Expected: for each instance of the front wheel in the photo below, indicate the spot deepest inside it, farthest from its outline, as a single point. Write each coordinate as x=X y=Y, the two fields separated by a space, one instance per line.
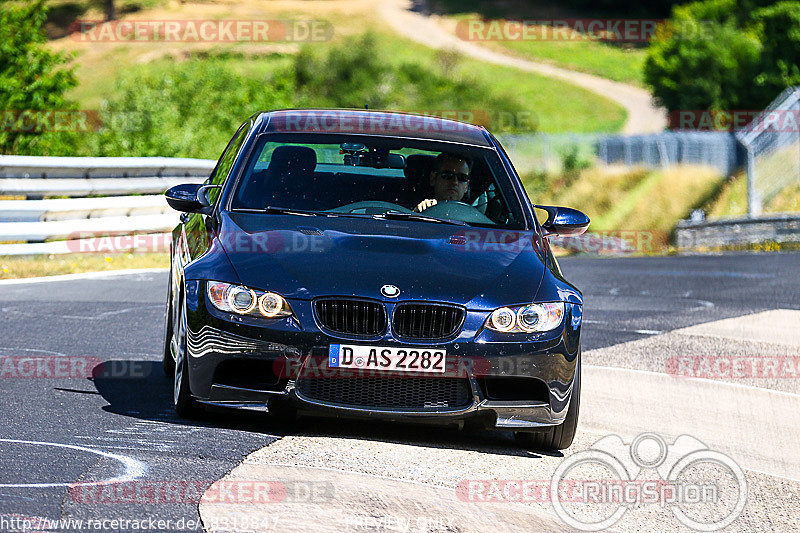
x=168 y=362
x=558 y=437
x=185 y=405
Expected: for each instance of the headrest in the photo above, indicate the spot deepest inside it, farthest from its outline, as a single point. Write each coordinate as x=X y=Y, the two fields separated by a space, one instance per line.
x=418 y=167
x=293 y=160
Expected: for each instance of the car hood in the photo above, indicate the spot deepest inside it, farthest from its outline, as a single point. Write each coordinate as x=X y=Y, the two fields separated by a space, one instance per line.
x=309 y=256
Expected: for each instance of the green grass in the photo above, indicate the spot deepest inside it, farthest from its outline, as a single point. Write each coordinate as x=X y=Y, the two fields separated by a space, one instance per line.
x=616 y=61
x=732 y=200
x=557 y=106
x=629 y=201
x=12 y=267
x=593 y=57
x=670 y=197
x=788 y=200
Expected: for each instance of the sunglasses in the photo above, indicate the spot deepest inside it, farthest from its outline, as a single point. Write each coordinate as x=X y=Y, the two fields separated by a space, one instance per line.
x=450 y=175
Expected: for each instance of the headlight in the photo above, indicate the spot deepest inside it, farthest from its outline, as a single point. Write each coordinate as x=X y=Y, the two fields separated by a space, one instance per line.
x=245 y=301
x=529 y=318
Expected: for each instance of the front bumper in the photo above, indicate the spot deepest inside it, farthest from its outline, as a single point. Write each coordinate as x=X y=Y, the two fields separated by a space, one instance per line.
x=544 y=363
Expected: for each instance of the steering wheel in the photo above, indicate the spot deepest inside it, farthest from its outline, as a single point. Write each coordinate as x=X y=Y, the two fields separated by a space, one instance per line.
x=457 y=210
x=370 y=207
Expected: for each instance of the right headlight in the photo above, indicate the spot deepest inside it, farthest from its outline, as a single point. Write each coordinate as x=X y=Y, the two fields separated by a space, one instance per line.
x=529 y=318
x=245 y=301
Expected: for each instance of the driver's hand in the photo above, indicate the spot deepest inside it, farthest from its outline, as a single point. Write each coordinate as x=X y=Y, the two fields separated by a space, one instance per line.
x=425 y=204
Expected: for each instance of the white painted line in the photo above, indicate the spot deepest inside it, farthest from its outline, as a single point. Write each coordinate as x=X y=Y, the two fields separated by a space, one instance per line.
x=82 y=275
x=134 y=469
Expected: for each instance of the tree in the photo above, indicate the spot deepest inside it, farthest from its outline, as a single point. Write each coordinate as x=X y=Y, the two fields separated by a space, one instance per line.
x=725 y=54
x=702 y=65
x=778 y=27
x=111 y=11
x=31 y=83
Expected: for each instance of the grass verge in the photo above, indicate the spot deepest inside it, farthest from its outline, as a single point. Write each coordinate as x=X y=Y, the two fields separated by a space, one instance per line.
x=580 y=53
x=15 y=267
x=645 y=204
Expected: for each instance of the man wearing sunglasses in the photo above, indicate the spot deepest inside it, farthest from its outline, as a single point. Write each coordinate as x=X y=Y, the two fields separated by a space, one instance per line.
x=449 y=180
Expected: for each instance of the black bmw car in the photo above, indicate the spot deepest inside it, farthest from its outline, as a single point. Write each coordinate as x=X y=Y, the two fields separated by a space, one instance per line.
x=354 y=263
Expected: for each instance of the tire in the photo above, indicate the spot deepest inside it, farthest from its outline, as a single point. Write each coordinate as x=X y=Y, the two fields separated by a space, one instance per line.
x=558 y=437
x=185 y=405
x=168 y=361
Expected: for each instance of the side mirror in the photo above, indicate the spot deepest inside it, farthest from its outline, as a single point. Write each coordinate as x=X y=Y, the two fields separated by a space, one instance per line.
x=190 y=197
x=564 y=220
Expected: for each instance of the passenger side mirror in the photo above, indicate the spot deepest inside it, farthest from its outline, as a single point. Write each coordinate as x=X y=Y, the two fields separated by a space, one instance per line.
x=564 y=220
x=189 y=198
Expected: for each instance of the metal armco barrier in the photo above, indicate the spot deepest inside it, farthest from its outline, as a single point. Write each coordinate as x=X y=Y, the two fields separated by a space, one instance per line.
x=116 y=213
x=24 y=166
x=778 y=228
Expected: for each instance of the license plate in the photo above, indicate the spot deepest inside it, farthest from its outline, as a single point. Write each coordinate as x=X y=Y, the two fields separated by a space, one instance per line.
x=388 y=359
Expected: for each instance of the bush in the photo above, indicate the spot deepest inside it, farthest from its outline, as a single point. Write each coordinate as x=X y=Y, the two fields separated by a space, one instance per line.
x=193 y=107
x=778 y=27
x=355 y=75
x=190 y=111
x=31 y=81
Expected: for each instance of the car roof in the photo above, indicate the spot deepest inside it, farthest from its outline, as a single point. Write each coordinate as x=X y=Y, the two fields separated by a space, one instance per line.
x=376 y=123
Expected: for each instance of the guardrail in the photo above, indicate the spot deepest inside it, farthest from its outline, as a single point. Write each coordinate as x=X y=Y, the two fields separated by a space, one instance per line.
x=712 y=234
x=118 y=221
x=69 y=208
x=89 y=186
x=24 y=166
x=116 y=213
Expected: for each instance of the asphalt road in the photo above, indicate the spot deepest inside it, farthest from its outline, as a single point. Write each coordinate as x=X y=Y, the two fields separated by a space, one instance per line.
x=126 y=414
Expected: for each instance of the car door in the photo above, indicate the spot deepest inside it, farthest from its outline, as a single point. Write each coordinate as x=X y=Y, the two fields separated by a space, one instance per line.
x=196 y=225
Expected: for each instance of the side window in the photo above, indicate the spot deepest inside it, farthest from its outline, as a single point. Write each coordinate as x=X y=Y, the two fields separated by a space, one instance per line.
x=226 y=161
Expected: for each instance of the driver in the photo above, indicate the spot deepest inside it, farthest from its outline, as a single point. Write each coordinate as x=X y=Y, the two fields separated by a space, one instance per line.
x=449 y=180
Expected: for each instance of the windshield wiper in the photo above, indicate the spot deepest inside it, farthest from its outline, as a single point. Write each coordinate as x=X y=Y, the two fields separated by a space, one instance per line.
x=270 y=210
x=420 y=218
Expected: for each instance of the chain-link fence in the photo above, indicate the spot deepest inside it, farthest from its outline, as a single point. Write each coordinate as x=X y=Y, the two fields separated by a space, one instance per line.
x=553 y=152
x=772 y=143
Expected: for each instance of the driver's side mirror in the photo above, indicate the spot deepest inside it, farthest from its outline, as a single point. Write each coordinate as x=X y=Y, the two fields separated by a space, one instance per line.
x=564 y=220
x=190 y=198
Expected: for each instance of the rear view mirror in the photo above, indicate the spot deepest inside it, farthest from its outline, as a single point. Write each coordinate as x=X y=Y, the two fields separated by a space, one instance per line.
x=395 y=161
x=564 y=220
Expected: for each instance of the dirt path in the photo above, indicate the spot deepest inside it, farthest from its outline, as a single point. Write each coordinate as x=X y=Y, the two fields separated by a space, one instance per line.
x=643 y=115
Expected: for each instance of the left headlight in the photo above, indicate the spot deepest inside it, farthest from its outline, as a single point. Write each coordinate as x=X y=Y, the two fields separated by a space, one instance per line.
x=245 y=301
x=529 y=318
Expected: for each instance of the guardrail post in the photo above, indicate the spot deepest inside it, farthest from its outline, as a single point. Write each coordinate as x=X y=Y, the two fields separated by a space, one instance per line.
x=753 y=198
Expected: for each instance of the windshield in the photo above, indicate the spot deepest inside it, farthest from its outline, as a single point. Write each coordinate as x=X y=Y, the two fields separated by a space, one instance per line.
x=378 y=177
